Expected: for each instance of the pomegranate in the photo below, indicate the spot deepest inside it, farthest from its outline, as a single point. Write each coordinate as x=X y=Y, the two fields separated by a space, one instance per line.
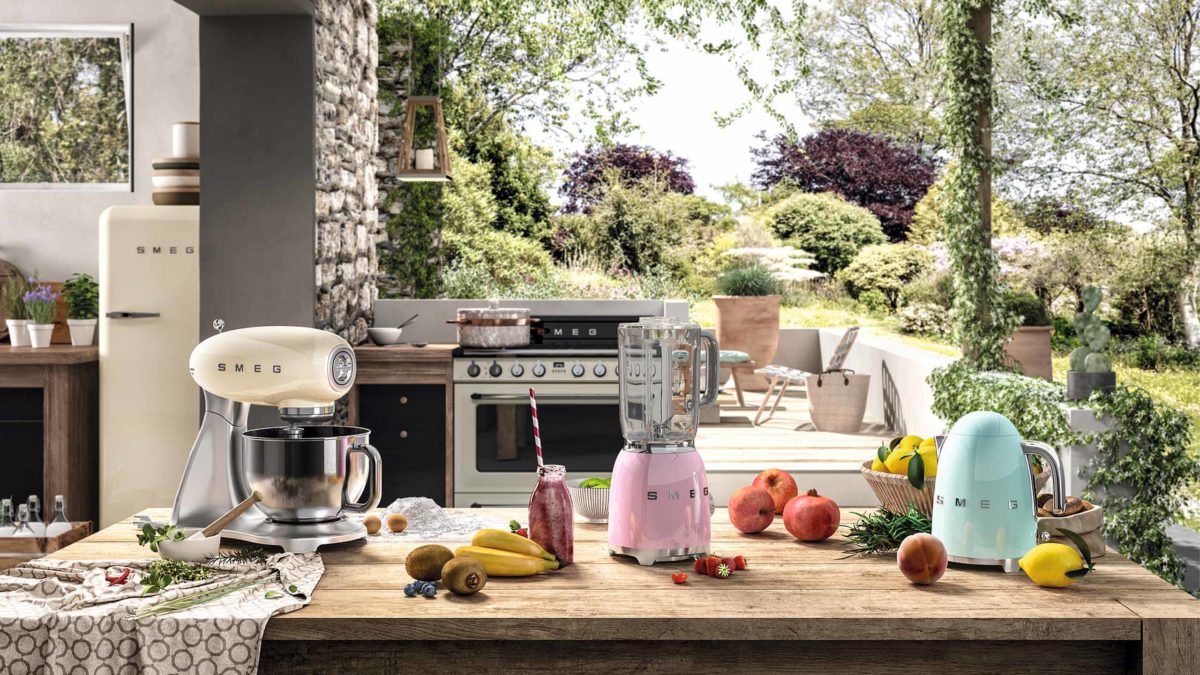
x=811 y=517
x=922 y=558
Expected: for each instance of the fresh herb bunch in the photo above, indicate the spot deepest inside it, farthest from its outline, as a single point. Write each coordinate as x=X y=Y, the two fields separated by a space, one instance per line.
x=40 y=302
x=12 y=295
x=163 y=573
x=189 y=601
x=151 y=535
x=882 y=531
x=246 y=556
x=82 y=294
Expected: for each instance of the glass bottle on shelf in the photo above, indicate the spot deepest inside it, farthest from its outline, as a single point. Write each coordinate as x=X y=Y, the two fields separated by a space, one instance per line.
x=23 y=529
x=60 y=524
x=7 y=526
x=35 y=516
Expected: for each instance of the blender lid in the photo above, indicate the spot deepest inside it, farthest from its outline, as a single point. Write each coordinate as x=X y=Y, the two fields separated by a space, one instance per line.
x=984 y=423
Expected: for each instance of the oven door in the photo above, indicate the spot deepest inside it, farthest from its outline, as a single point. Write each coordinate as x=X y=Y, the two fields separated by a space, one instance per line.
x=494 y=457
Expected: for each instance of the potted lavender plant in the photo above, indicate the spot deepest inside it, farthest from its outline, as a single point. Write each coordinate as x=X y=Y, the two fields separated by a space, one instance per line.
x=40 y=304
x=13 y=297
x=82 y=295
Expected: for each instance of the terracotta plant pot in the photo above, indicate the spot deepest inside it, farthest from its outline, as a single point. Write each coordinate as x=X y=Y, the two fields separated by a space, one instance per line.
x=749 y=324
x=1030 y=347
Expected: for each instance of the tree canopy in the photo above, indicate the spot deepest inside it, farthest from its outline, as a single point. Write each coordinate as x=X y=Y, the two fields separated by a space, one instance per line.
x=591 y=170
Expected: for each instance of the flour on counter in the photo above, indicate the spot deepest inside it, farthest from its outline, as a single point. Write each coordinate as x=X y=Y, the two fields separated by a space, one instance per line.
x=429 y=522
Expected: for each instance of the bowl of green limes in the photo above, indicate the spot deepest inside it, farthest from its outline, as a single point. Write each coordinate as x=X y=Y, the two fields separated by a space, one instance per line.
x=590 y=497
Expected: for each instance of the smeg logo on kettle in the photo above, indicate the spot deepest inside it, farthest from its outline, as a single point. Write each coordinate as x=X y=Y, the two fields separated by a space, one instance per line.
x=985 y=504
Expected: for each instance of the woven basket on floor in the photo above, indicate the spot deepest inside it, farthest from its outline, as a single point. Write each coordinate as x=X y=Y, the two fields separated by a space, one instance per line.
x=837 y=401
x=895 y=492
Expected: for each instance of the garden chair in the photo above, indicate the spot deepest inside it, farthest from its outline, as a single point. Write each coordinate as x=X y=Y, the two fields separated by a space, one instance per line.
x=785 y=377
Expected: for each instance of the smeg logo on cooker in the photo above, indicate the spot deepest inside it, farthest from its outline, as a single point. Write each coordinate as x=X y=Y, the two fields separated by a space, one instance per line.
x=166 y=250
x=223 y=367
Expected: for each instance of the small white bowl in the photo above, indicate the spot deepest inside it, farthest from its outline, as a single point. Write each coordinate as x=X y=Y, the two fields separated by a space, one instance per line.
x=175 y=181
x=190 y=550
x=385 y=336
x=590 y=503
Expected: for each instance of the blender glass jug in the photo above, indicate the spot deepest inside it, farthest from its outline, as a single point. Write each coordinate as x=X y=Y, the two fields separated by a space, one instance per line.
x=661 y=393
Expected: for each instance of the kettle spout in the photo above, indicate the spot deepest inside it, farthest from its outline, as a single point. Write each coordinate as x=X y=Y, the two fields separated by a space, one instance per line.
x=1056 y=471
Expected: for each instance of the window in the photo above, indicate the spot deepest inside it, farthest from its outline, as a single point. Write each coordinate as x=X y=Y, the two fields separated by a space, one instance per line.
x=66 y=106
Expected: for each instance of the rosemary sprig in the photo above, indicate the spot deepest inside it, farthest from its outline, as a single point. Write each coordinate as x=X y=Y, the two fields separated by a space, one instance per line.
x=244 y=556
x=164 y=572
x=195 y=599
x=882 y=531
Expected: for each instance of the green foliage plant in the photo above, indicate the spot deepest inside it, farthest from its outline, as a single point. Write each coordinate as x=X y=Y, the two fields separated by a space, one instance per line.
x=830 y=228
x=1143 y=465
x=12 y=295
x=886 y=268
x=82 y=294
x=874 y=300
x=746 y=280
x=1027 y=308
x=923 y=318
x=1090 y=357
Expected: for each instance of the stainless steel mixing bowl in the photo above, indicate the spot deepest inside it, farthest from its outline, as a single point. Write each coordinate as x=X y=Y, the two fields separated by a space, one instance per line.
x=310 y=474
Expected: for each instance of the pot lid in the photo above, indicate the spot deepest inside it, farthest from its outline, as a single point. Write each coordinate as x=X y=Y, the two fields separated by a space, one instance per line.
x=493 y=311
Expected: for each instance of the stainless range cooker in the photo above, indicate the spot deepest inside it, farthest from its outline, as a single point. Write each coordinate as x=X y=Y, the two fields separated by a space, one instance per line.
x=571 y=362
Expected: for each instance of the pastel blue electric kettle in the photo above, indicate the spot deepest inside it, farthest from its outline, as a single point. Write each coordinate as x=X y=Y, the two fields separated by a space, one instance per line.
x=984 y=510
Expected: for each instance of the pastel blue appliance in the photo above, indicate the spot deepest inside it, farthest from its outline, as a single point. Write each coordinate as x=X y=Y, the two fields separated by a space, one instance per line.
x=983 y=503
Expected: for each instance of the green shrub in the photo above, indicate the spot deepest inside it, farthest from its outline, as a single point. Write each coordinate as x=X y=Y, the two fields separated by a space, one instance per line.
x=507 y=260
x=874 y=300
x=823 y=224
x=1152 y=352
x=1064 y=338
x=1031 y=310
x=1143 y=291
x=747 y=280
x=923 y=318
x=886 y=268
x=932 y=288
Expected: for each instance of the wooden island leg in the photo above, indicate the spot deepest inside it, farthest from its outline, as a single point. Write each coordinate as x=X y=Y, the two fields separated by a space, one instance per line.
x=70 y=435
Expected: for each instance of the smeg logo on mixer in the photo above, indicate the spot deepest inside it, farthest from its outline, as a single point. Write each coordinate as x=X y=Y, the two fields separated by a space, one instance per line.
x=244 y=368
x=673 y=495
x=168 y=250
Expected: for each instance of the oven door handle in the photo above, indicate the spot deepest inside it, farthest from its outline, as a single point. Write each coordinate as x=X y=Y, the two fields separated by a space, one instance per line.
x=545 y=397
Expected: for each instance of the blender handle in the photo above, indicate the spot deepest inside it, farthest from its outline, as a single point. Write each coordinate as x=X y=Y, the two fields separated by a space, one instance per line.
x=374 y=479
x=1056 y=471
x=714 y=367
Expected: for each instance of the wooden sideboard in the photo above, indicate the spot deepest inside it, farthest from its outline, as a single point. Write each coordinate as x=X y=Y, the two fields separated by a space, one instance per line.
x=68 y=377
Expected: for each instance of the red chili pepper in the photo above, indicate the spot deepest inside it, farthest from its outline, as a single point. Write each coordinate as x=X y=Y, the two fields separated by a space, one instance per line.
x=679 y=577
x=119 y=579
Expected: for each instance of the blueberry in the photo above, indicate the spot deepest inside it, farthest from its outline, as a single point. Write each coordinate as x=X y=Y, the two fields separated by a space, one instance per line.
x=430 y=591
x=409 y=591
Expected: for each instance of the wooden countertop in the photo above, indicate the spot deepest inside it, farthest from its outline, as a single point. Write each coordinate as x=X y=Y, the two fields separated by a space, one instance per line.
x=792 y=591
x=369 y=353
x=54 y=355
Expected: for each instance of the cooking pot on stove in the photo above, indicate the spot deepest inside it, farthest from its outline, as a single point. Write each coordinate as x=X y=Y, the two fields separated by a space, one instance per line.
x=493 y=327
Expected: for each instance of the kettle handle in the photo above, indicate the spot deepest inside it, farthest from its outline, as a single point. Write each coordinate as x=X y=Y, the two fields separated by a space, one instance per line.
x=374 y=479
x=1056 y=471
x=713 y=358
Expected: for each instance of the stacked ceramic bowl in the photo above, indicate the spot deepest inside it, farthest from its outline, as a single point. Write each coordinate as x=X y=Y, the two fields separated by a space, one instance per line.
x=177 y=178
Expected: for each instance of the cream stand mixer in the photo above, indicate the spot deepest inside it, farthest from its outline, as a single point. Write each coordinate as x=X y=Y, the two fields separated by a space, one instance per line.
x=308 y=474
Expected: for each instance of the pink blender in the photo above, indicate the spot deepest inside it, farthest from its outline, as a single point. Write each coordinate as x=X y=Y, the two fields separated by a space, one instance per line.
x=659 y=509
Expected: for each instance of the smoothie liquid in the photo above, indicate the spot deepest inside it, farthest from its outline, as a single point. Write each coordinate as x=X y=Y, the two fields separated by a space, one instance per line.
x=551 y=513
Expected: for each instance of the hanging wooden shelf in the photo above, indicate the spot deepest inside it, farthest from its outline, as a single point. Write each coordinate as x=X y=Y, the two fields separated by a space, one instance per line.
x=407 y=168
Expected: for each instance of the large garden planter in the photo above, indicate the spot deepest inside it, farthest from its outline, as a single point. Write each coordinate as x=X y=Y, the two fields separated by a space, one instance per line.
x=749 y=324
x=1081 y=384
x=1030 y=348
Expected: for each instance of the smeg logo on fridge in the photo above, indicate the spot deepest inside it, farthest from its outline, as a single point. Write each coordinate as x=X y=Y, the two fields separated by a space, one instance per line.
x=223 y=367
x=166 y=250
x=673 y=495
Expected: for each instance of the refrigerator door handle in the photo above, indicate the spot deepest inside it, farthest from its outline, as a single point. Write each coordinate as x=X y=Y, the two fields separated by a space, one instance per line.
x=132 y=315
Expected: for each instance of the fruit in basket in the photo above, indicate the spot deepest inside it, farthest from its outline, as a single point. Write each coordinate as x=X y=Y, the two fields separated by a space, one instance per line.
x=780 y=484
x=881 y=455
x=922 y=558
x=464 y=576
x=897 y=460
x=510 y=541
x=751 y=509
x=425 y=563
x=499 y=563
x=811 y=517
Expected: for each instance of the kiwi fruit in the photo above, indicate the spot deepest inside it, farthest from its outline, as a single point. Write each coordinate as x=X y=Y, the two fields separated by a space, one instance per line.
x=464 y=575
x=424 y=563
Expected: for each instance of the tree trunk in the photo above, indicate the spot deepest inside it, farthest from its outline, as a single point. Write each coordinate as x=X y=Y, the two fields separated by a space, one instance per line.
x=981 y=24
x=1186 y=296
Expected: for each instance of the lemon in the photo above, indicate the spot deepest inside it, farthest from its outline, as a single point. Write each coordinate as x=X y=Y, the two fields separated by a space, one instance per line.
x=928 y=450
x=1047 y=564
x=897 y=462
x=877 y=465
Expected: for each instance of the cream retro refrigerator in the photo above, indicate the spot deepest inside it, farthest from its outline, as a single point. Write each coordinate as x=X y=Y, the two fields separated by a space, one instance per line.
x=149 y=323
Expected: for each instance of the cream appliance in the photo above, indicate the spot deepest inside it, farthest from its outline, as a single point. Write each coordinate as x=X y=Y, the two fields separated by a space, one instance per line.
x=149 y=319
x=983 y=503
x=308 y=475
x=659 y=507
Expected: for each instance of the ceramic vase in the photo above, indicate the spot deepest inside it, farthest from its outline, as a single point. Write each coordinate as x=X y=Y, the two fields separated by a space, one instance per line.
x=83 y=331
x=18 y=332
x=39 y=334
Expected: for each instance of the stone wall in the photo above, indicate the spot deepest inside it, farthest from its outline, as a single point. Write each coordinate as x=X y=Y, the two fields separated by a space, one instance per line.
x=347 y=220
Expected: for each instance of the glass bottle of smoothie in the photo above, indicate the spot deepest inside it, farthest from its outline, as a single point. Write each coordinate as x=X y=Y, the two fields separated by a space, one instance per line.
x=551 y=513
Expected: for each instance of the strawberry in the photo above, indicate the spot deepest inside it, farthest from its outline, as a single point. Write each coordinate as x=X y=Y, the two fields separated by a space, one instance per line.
x=739 y=562
x=679 y=577
x=710 y=565
x=698 y=566
x=723 y=571
x=523 y=532
x=728 y=562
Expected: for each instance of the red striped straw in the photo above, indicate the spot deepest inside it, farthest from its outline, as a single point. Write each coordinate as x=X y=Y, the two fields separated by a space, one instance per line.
x=537 y=434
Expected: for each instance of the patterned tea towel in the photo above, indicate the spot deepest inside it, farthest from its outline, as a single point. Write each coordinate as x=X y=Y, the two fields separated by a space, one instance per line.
x=65 y=616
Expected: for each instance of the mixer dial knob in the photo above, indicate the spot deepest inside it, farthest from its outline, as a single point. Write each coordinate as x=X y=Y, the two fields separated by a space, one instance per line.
x=473 y=369
x=539 y=370
x=577 y=370
x=517 y=370
x=495 y=370
x=600 y=370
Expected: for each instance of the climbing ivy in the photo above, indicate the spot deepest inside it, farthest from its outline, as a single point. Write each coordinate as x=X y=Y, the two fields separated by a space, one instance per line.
x=1142 y=465
x=981 y=324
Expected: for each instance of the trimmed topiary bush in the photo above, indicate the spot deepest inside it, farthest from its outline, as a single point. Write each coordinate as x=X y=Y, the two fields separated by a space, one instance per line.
x=1028 y=307
x=830 y=228
x=886 y=268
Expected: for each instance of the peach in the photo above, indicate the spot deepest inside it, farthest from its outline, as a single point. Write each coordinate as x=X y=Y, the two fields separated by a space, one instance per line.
x=922 y=558
x=780 y=484
x=751 y=509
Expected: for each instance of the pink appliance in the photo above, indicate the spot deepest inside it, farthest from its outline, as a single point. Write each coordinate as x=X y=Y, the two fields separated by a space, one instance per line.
x=659 y=507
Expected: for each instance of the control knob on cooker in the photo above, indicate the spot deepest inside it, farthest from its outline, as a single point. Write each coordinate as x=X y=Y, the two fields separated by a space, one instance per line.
x=599 y=370
x=539 y=370
x=473 y=369
x=495 y=370
x=517 y=370
x=577 y=370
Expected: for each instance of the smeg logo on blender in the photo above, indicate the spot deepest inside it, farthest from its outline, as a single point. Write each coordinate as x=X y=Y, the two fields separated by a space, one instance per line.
x=223 y=367
x=673 y=495
x=167 y=250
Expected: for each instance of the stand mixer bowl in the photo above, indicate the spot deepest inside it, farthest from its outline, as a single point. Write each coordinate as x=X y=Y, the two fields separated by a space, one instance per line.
x=311 y=474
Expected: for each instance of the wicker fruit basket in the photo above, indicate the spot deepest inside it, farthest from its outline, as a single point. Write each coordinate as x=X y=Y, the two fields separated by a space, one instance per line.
x=895 y=492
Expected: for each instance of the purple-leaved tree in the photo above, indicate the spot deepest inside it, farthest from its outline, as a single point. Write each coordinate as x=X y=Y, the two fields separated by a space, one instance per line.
x=584 y=179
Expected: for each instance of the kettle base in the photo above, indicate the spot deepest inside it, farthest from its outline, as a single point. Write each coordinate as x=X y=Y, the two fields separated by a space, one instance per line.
x=650 y=556
x=1010 y=565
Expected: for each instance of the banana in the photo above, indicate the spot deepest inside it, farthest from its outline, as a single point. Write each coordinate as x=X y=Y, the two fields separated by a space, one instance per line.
x=499 y=563
x=509 y=541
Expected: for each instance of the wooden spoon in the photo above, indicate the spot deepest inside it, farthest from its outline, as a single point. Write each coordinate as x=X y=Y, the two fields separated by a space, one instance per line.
x=219 y=524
